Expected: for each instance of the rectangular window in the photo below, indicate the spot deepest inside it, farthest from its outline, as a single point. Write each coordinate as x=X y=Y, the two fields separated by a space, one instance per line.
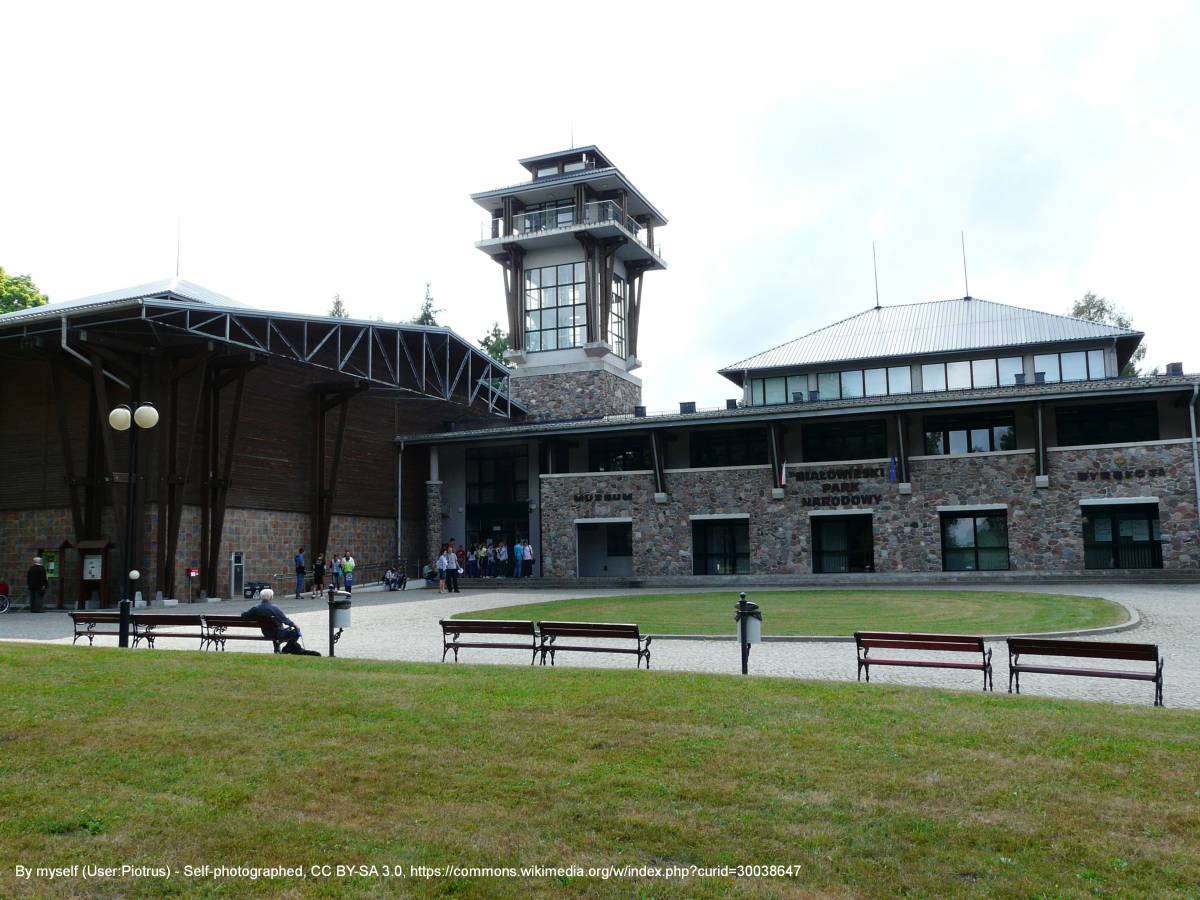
x=623 y=454
x=1047 y=364
x=842 y=544
x=829 y=386
x=876 y=382
x=546 y=171
x=721 y=547
x=974 y=433
x=1107 y=423
x=958 y=376
x=756 y=392
x=839 y=441
x=983 y=373
x=933 y=377
x=616 y=316
x=1122 y=537
x=576 y=166
x=852 y=384
x=797 y=386
x=1095 y=365
x=556 y=316
x=1074 y=366
x=776 y=389
x=1010 y=367
x=899 y=380
x=728 y=447
x=974 y=542
x=497 y=492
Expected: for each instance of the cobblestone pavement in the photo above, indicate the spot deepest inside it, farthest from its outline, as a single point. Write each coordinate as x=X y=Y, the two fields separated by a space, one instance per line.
x=404 y=626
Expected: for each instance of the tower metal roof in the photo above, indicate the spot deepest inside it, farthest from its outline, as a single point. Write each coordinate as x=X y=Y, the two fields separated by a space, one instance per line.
x=917 y=329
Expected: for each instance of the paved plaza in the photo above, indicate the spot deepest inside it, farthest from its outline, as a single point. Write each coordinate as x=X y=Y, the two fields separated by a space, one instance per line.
x=404 y=626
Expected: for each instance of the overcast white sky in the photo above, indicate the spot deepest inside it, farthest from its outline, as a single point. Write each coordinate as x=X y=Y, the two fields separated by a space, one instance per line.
x=321 y=149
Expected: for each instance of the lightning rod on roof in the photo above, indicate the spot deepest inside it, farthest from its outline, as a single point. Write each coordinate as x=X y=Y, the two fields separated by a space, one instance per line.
x=966 y=288
x=875 y=266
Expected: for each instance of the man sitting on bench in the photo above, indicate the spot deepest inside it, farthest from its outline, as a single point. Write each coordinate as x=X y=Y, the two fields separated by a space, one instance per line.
x=280 y=628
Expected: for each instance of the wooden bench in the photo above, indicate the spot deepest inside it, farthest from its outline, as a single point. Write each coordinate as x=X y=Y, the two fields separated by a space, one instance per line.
x=86 y=625
x=1018 y=647
x=866 y=641
x=453 y=628
x=552 y=631
x=146 y=627
x=217 y=630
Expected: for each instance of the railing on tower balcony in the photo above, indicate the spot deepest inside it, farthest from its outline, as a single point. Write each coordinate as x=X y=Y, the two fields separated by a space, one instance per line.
x=598 y=212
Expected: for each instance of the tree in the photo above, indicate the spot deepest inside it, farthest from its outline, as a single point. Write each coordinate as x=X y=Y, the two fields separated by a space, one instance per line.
x=1105 y=312
x=19 y=292
x=338 y=310
x=428 y=315
x=494 y=343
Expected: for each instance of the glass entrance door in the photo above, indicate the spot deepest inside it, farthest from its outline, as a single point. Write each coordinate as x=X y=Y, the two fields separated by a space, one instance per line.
x=843 y=544
x=1122 y=537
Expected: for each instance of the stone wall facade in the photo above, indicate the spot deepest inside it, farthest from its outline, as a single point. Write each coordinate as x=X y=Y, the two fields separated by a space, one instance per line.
x=269 y=539
x=1045 y=524
x=433 y=520
x=573 y=395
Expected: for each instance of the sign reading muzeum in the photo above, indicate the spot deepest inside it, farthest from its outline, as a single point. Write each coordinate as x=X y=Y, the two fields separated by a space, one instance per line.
x=957 y=435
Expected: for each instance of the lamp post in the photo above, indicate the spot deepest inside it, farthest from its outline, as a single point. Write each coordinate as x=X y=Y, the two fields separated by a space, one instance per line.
x=122 y=418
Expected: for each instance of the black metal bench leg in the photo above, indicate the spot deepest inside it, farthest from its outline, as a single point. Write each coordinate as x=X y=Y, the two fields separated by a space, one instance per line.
x=445 y=650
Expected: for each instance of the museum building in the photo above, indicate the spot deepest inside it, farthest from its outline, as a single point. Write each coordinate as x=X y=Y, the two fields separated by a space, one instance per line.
x=958 y=435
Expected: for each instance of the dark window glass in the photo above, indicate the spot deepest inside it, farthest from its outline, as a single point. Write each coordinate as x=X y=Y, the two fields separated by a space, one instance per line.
x=731 y=447
x=624 y=454
x=1122 y=537
x=975 y=433
x=721 y=547
x=620 y=539
x=842 y=544
x=1107 y=423
x=974 y=542
x=845 y=440
x=497 y=493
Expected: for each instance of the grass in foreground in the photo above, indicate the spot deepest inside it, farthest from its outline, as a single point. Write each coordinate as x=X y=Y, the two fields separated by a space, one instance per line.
x=833 y=612
x=178 y=758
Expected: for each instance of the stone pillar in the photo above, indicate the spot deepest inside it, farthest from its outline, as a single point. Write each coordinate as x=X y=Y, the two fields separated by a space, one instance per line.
x=433 y=520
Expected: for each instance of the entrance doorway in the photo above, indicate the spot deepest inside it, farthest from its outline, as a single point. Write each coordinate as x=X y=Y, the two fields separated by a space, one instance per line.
x=1122 y=536
x=605 y=549
x=842 y=544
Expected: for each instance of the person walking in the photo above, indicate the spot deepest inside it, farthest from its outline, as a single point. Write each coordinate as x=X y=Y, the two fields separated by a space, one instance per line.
x=348 y=565
x=299 y=561
x=441 y=567
x=335 y=573
x=37 y=582
x=481 y=560
x=451 y=569
x=318 y=575
x=502 y=560
x=528 y=558
x=519 y=556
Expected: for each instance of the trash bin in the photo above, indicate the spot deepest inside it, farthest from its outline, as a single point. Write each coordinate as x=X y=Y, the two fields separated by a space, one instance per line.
x=339 y=611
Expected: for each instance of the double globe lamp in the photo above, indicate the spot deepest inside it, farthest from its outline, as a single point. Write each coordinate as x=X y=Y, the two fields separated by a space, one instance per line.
x=122 y=418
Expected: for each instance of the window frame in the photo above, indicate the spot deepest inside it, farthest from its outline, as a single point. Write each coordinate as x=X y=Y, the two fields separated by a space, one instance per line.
x=728 y=554
x=974 y=516
x=747 y=441
x=945 y=425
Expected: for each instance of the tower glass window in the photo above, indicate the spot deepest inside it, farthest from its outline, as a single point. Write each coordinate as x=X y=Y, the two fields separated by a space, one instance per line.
x=555 y=307
x=616 y=317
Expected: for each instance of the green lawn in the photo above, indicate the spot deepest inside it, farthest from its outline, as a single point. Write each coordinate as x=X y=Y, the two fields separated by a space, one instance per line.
x=175 y=758
x=833 y=612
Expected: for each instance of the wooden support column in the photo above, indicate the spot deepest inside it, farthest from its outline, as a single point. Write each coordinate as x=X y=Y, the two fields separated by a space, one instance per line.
x=658 y=450
x=902 y=447
x=775 y=452
x=591 y=286
x=513 y=263
x=633 y=279
x=1041 y=439
x=324 y=485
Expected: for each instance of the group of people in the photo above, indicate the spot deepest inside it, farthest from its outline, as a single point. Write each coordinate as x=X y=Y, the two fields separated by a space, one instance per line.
x=485 y=560
x=37 y=582
x=340 y=571
x=395 y=579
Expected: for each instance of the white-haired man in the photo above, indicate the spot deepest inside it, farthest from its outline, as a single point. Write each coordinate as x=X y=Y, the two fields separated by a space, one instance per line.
x=276 y=625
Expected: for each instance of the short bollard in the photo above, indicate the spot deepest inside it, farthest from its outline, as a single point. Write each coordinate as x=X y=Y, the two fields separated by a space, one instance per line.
x=124 y=622
x=748 y=619
x=339 y=615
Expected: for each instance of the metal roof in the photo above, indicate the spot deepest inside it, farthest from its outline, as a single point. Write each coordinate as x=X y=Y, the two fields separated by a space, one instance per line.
x=915 y=329
x=168 y=289
x=559 y=154
x=537 y=184
x=819 y=408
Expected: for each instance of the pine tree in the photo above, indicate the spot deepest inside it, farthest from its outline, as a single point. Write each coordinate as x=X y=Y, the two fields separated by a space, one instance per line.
x=338 y=310
x=428 y=315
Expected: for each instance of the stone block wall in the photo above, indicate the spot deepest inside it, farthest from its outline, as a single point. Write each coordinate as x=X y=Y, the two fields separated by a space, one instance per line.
x=1045 y=524
x=573 y=395
x=269 y=538
x=433 y=520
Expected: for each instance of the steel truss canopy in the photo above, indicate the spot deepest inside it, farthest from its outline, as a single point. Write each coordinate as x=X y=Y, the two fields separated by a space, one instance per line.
x=425 y=362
